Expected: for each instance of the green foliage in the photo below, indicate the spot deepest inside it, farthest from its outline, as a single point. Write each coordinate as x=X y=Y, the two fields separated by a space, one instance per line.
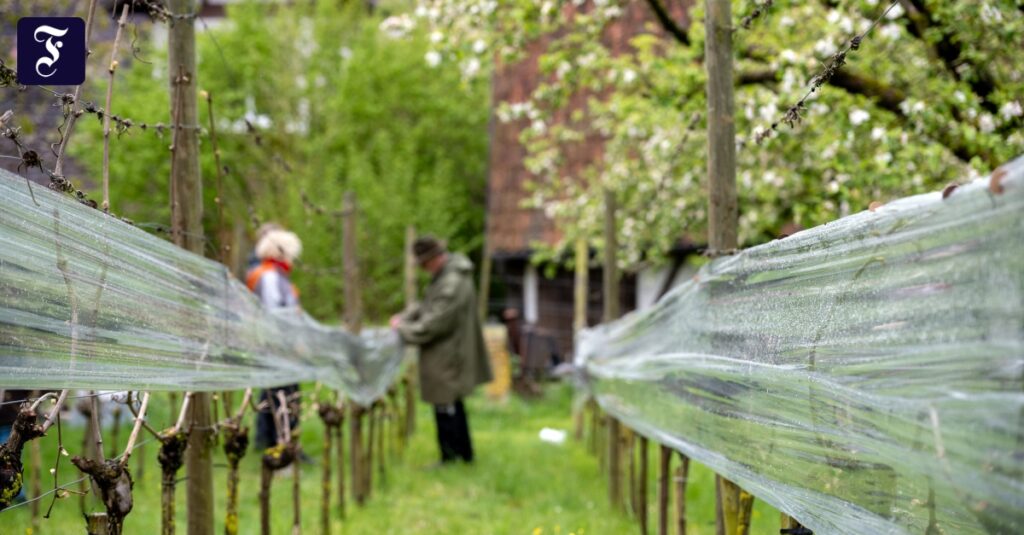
x=332 y=104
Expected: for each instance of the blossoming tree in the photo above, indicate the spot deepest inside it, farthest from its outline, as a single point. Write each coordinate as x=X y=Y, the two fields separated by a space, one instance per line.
x=930 y=94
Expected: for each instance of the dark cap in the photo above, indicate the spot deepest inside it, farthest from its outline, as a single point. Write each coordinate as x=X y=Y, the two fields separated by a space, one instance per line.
x=427 y=247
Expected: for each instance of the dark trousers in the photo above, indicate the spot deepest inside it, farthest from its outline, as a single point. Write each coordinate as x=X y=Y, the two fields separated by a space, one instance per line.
x=453 y=432
x=266 y=423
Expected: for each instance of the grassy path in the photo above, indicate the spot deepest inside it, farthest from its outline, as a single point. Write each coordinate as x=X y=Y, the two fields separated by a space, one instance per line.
x=519 y=485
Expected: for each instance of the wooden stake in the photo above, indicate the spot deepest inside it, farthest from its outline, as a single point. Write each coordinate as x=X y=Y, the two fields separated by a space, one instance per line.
x=630 y=450
x=790 y=525
x=664 y=469
x=356 y=453
x=642 y=486
x=187 y=219
x=111 y=69
x=682 y=476
x=96 y=524
x=580 y=293
x=115 y=432
x=58 y=167
x=722 y=209
x=349 y=245
x=611 y=267
x=381 y=452
x=325 y=481
x=296 y=497
x=614 y=463
x=611 y=313
x=341 y=464
x=411 y=378
x=734 y=505
x=371 y=415
x=486 y=265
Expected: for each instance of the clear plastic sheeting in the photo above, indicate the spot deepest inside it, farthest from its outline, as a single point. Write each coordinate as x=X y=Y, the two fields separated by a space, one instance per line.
x=88 y=301
x=865 y=376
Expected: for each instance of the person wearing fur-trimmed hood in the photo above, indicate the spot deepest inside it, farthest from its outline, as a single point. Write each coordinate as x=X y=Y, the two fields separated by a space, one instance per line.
x=270 y=280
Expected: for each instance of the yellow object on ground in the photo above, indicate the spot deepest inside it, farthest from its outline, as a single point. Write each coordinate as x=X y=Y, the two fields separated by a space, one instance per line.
x=496 y=338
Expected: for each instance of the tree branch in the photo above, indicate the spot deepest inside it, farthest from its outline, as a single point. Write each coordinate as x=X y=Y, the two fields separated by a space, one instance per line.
x=950 y=51
x=668 y=23
x=886 y=97
x=756 y=77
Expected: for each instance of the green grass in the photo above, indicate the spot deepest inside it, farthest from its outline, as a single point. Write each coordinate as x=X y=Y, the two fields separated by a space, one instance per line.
x=519 y=485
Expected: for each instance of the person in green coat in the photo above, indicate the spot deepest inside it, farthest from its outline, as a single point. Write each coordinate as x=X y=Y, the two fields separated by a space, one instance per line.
x=453 y=357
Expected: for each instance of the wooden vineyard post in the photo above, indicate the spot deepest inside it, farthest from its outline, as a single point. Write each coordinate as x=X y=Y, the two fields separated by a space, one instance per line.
x=486 y=265
x=96 y=524
x=355 y=435
x=410 y=380
x=664 y=471
x=349 y=245
x=723 y=212
x=642 y=486
x=187 y=229
x=579 y=321
x=611 y=313
x=381 y=452
x=331 y=415
x=326 y=480
x=732 y=504
x=681 y=478
x=631 y=455
x=340 y=433
x=371 y=415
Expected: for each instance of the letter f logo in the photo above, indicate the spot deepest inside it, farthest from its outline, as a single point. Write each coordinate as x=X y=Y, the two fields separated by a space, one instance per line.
x=51 y=51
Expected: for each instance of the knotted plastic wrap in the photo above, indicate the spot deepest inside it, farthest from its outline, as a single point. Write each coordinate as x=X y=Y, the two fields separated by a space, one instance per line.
x=865 y=376
x=88 y=301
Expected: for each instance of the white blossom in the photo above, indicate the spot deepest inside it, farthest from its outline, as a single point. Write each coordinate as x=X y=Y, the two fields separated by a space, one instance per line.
x=986 y=123
x=397 y=26
x=479 y=46
x=471 y=67
x=890 y=31
x=1010 y=110
x=433 y=58
x=859 y=116
x=990 y=14
x=789 y=56
x=825 y=47
x=877 y=133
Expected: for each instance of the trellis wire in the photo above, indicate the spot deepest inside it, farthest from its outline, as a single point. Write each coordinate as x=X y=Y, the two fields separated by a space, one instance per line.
x=793 y=114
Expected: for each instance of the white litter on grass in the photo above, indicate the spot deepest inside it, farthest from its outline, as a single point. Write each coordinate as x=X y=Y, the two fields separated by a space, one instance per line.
x=553 y=436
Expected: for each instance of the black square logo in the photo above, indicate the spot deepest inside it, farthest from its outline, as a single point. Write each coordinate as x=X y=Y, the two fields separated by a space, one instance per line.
x=51 y=51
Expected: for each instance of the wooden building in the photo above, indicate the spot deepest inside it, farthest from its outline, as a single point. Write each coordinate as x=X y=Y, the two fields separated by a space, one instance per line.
x=545 y=303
